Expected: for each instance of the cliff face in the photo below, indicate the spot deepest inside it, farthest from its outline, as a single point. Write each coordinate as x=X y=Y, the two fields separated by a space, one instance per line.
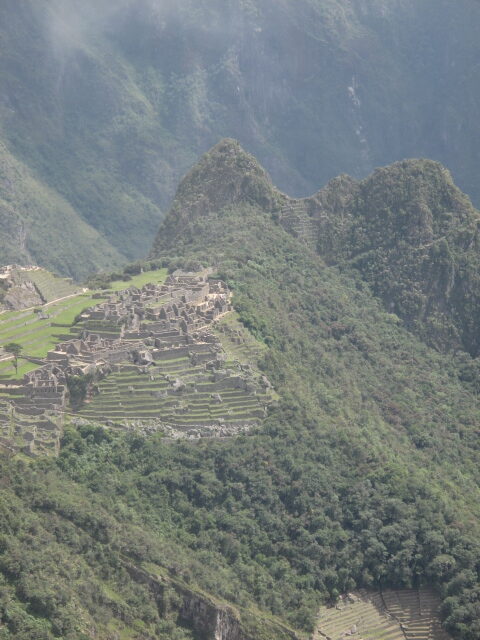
x=208 y=618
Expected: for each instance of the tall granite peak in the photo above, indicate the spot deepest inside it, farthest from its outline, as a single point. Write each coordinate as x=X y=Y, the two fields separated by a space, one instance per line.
x=407 y=229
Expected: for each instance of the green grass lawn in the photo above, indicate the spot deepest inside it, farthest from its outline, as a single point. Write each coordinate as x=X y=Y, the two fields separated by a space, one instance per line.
x=157 y=277
x=8 y=370
x=68 y=315
x=9 y=319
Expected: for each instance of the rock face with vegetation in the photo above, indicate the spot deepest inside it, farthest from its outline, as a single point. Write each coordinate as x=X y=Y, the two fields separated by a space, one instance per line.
x=412 y=235
x=105 y=105
x=308 y=280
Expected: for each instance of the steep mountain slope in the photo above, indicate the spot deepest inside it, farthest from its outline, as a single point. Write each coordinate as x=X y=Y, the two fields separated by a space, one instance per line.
x=340 y=363
x=365 y=474
x=107 y=104
x=40 y=226
x=409 y=231
x=415 y=239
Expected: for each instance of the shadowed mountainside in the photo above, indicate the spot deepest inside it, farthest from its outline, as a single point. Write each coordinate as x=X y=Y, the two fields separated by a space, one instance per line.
x=105 y=105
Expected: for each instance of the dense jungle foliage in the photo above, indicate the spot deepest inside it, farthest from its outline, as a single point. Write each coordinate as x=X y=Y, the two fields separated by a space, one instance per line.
x=415 y=239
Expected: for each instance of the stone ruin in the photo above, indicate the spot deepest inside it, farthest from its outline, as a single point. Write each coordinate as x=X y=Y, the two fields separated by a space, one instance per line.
x=17 y=292
x=295 y=218
x=139 y=332
x=31 y=411
x=26 y=287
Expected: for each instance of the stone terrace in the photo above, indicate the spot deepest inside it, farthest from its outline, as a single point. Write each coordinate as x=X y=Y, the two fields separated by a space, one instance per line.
x=154 y=363
x=26 y=287
x=172 y=374
x=31 y=411
x=405 y=614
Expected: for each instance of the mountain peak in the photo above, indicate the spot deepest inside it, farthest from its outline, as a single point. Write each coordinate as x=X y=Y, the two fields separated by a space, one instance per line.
x=410 y=232
x=224 y=176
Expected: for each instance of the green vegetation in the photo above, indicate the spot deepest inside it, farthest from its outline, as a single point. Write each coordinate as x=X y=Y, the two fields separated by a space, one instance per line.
x=105 y=107
x=57 y=238
x=414 y=237
x=14 y=349
x=139 y=280
x=78 y=387
x=36 y=336
x=365 y=473
x=7 y=369
x=344 y=367
x=136 y=274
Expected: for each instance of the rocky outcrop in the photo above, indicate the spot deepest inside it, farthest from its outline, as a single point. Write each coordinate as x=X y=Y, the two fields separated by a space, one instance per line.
x=22 y=296
x=18 y=291
x=207 y=617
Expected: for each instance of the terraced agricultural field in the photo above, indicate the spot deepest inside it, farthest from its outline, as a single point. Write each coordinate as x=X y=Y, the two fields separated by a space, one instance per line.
x=182 y=391
x=37 y=333
x=32 y=414
x=50 y=286
x=237 y=343
x=131 y=395
x=405 y=614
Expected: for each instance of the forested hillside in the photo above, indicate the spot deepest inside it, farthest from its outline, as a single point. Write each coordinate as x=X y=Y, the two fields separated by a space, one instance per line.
x=414 y=237
x=364 y=474
x=105 y=105
x=341 y=361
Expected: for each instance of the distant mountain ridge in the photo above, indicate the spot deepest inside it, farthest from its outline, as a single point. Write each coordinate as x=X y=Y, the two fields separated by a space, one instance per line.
x=105 y=105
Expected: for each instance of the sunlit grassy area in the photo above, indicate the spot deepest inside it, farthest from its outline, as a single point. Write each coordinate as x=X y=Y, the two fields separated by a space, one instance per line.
x=7 y=368
x=157 y=277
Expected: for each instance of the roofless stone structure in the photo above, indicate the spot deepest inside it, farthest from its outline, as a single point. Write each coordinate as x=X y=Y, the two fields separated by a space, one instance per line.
x=148 y=359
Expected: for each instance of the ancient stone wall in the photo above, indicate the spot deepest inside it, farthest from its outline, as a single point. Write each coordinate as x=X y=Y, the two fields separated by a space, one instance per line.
x=148 y=328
